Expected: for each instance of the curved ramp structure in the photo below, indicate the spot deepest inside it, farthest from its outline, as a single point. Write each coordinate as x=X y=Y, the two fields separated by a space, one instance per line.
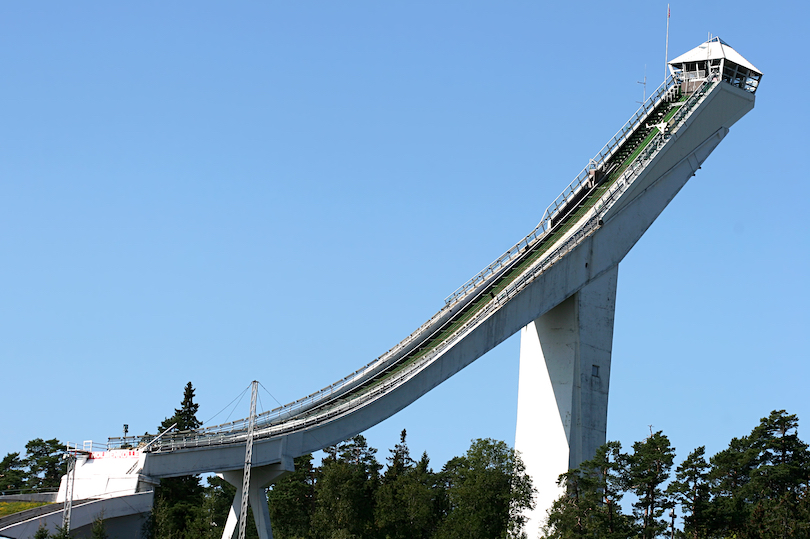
x=561 y=275
x=583 y=235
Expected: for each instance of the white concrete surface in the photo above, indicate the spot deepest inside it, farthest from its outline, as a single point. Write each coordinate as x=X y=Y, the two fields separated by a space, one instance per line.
x=563 y=388
x=104 y=474
x=123 y=518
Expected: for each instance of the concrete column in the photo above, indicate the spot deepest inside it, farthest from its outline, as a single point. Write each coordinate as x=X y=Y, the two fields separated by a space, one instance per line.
x=563 y=388
x=260 y=478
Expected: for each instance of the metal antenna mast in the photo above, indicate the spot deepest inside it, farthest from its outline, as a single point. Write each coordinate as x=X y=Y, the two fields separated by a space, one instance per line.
x=248 y=458
x=666 y=52
x=643 y=99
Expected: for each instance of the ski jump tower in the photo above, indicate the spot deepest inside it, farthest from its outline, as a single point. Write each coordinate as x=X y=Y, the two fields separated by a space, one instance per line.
x=565 y=353
x=557 y=286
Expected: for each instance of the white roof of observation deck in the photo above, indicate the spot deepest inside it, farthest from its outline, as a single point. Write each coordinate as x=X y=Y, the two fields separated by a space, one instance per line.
x=711 y=50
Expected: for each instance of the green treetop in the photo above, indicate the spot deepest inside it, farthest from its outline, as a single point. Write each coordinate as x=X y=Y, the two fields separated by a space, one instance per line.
x=186 y=415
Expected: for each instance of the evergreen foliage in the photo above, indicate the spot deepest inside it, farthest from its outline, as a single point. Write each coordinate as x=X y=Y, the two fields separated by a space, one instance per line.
x=12 y=474
x=178 y=499
x=408 y=502
x=757 y=488
x=344 y=492
x=351 y=496
x=292 y=500
x=591 y=507
x=690 y=489
x=42 y=468
x=647 y=471
x=185 y=417
x=761 y=482
x=98 y=530
x=488 y=491
x=45 y=464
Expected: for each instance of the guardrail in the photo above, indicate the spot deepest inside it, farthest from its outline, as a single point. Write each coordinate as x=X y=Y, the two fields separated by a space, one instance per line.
x=236 y=432
x=87 y=446
x=613 y=144
x=573 y=188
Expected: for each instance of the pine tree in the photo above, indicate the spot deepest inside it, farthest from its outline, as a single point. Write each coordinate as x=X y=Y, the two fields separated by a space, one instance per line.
x=729 y=478
x=648 y=470
x=400 y=460
x=759 y=484
x=184 y=417
x=610 y=468
x=179 y=498
x=783 y=462
x=781 y=477
x=45 y=463
x=407 y=501
x=391 y=512
x=691 y=490
x=424 y=499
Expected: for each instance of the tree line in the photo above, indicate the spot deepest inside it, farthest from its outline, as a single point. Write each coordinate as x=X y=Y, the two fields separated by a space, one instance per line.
x=481 y=494
x=757 y=488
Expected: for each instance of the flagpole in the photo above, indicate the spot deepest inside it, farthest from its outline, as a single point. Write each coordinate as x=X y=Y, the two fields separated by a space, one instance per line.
x=666 y=50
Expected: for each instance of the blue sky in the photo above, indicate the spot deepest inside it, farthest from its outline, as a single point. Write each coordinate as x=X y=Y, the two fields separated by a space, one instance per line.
x=282 y=191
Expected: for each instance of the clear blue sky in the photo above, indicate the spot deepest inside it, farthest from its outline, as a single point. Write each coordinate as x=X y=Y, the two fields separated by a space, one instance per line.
x=281 y=191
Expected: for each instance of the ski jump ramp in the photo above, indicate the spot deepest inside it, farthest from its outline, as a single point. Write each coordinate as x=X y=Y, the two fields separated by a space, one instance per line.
x=557 y=286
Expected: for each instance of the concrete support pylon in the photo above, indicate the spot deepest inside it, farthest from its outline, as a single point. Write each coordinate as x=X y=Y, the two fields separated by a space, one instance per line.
x=563 y=388
x=260 y=479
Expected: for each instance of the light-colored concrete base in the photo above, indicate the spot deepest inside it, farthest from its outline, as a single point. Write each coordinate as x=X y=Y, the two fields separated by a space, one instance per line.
x=563 y=387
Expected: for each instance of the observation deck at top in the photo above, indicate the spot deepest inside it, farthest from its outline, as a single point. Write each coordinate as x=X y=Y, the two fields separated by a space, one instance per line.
x=709 y=88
